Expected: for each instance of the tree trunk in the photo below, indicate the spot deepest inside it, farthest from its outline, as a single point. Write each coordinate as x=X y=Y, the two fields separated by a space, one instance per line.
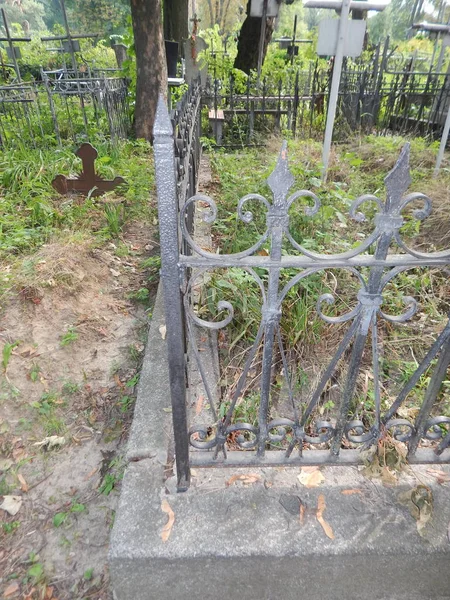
x=176 y=20
x=248 y=44
x=150 y=63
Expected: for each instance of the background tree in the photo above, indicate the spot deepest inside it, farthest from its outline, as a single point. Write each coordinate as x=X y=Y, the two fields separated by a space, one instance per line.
x=176 y=19
x=224 y=13
x=248 y=44
x=103 y=16
x=151 y=67
x=19 y=11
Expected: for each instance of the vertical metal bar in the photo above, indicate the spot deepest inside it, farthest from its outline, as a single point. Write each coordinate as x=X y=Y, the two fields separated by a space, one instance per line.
x=334 y=91
x=69 y=37
x=11 y=46
x=296 y=94
x=433 y=388
x=170 y=277
x=442 y=145
x=262 y=38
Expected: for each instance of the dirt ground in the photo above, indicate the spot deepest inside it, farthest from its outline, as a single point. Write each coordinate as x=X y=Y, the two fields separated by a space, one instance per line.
x=71 y=340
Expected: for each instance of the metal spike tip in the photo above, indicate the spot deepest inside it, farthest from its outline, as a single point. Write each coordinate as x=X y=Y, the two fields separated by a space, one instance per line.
x=281 y=179
x=163 y=124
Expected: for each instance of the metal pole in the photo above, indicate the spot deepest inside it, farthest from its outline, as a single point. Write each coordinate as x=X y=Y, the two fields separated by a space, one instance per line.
x=444 y=139
x=69 y=37
x=334 y=92
x=261 y=38
x=170 y=277
x=441 y=54
x=11 y=47
x=293 y=40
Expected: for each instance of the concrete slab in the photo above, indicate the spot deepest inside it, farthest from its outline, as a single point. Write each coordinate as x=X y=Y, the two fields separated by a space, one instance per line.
x=258 y=537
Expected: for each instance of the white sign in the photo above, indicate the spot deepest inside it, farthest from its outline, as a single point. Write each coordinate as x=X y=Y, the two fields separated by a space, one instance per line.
x=257 y=7
x=328 y=37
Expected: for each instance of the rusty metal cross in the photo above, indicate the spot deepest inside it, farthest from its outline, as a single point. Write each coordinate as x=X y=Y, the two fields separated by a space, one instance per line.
x=88 y=179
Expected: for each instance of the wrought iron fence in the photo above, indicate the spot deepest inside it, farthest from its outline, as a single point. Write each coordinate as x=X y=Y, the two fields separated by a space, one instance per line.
x=376 y=96
x=64 y=106
x=301 y=428
x=84 y=106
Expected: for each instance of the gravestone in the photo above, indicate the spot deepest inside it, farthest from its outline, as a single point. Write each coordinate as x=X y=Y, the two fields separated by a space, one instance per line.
x=88 y=179
x=195 y=66
x=120 y=51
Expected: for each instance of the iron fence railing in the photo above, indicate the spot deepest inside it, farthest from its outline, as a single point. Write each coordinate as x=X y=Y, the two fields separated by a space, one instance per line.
x=64 y=106
x=376 y=96
x=218 y=433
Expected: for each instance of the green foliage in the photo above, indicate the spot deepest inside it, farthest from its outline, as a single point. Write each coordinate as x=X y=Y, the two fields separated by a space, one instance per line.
x=8 y=528
x=69 y=337
x=28 y=14
x=6 y=353
x=31 y=211
x=114 y=219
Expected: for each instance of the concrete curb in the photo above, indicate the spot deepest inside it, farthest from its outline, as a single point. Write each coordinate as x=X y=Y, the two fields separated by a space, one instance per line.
x=246 y=539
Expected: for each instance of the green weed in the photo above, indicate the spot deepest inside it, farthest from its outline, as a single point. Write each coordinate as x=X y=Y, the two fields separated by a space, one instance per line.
x=69 y=337
x=7 y=352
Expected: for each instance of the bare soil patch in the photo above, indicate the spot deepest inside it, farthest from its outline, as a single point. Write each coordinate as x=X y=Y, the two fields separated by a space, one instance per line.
x=71 y=339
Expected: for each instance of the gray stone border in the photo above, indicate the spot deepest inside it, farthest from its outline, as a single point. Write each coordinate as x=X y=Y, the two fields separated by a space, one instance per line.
x=236 y=540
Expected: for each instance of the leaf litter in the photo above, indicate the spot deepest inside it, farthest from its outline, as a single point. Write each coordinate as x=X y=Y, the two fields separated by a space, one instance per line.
x=167 y=529
x=321 y=506
x=311 y=477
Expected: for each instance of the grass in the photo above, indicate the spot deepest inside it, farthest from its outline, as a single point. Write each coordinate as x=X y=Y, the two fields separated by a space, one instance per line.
x=33 y=215
x=357 y=167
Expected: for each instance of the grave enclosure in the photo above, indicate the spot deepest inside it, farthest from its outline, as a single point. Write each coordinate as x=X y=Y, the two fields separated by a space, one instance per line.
x=191 y=433
x=75 y=102
x=257 y=533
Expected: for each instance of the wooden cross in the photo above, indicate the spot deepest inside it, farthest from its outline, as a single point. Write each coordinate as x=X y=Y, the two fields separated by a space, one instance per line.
x=69 y=42
x=195 y=21
x=13 y=51
x=88 y=178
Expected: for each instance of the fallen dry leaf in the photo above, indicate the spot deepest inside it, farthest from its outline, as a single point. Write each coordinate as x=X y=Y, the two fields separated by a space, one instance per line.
x=30 y=594
x=11 y=504
x=199 y=404
x=167 y=529
x=91 y=474
x=163 y=331
x=311 y=479
x=320 y=510
x=6 y=464
x=246 y=479
x=19 y=454
x=11 y=589
x=50 y=442
x=23 y=484
x=441 y=476
x=350 y=492
x=26 y=351
x=302 y=514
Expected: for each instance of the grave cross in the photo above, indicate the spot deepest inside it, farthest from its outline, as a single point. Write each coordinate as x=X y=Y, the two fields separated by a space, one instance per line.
x=13 y=51
x=88 y=178
x=69 y=42
x=195 y=20
x=342 y=44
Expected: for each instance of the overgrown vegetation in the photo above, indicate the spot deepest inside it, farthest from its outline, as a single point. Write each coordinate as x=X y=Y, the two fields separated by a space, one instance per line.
x=358 y=167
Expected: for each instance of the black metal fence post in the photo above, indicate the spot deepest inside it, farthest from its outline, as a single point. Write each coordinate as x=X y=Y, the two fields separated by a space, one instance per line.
x=170 y=276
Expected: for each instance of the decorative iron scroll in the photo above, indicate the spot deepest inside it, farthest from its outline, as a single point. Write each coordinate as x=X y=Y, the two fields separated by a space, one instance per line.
x=374 y=265
x=364 y=318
